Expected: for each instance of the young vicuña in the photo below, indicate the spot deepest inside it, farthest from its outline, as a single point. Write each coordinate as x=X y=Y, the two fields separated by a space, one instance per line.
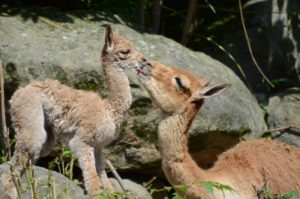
x=46 y=111
x=247 y=167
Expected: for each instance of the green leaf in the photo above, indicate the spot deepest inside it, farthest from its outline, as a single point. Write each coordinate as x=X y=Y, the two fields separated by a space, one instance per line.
x=267 y=135
x=176 y=196
x=222 y=186
x=168 y=188
x=208 y=186
x=181 y=188
x=67 y=153
x=291 y=194
x=152 y=191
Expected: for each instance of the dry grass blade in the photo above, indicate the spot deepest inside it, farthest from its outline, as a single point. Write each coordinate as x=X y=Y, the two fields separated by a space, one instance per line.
x=29 y=174
x=111 y=167
x=250 y=48
x=210 y=6
x=3 y=117
x=17 y=182
x=230 y=56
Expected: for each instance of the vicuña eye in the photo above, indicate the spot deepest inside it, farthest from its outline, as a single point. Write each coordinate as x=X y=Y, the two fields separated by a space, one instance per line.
x=125 y=52
x=179 y=83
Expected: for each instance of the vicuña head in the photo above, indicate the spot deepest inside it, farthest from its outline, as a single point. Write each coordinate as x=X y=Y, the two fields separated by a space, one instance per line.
x=119 y=52
x=248 y=167
x=173 y=89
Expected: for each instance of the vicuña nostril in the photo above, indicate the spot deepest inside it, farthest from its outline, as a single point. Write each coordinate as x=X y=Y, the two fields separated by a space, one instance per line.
x=144 y=59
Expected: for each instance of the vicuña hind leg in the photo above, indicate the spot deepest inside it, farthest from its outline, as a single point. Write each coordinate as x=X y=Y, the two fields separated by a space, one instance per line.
x=48 y=145
x=100 y=169
x=30 y=138
x=86 y=159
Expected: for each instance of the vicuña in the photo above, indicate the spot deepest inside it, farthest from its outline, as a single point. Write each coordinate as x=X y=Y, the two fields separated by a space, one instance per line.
x=47 y=111
x=247 y=167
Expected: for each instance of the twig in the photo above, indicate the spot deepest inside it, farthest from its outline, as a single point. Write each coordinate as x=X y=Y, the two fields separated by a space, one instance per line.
x=174 y=12
x=250 y=48
x=149 y=183
x=3 y=117
x=295 y=128
x=111 y=167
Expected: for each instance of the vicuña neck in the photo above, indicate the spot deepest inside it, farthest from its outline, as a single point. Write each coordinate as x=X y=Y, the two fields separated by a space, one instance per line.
x=173 y=134
x=177 y=163
x=119 y=96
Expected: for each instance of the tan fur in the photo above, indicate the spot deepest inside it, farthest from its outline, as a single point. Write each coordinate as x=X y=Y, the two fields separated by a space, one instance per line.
x=246 y=167
x=44 y=112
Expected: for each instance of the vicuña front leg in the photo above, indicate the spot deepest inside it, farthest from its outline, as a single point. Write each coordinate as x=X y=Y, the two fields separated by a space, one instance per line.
x=100 y=169
x=86 y=159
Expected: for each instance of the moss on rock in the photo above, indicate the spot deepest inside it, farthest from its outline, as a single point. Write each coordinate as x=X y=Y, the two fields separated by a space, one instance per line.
x=89 y=80
x=146 y=131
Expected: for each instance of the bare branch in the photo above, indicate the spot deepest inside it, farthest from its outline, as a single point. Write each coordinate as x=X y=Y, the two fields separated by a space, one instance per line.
x=293 y=127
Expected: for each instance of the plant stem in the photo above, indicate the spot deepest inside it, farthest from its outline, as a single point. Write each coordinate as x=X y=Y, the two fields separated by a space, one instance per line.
x=16 y=179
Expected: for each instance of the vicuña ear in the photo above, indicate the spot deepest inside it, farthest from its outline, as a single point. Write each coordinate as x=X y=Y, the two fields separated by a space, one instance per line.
x=205 y=81
x=109 y=39
x=209 y=91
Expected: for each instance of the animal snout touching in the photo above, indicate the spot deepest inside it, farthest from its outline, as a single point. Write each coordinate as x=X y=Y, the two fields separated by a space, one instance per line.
x=143 y=62
x=143 y=68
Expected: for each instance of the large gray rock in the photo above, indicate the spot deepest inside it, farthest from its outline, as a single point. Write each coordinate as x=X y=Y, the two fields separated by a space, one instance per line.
x=69 y=50
x=284 y=111
x=48 y=184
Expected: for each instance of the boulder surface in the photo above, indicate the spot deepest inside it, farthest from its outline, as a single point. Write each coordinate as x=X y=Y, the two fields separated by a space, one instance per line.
x=67 y=47
x=284 y=111
x=49 y=184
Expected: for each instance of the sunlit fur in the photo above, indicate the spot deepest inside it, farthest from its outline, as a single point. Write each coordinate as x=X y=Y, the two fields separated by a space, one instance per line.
x=162 y=87
x=44 y=112
x=247 y=168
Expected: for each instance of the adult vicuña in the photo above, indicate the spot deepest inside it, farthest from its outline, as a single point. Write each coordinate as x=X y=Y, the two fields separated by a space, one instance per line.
x=44 y=112
x=247 y=167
